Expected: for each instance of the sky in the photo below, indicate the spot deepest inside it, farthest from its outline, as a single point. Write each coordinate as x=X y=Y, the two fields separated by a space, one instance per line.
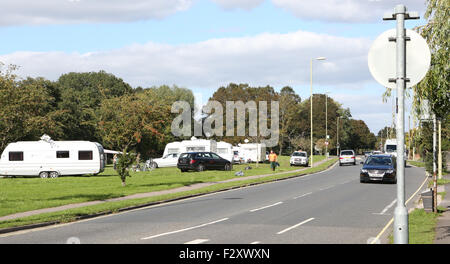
x=205 y=44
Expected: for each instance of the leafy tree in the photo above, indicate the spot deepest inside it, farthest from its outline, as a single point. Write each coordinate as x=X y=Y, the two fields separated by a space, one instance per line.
x=124 y=161
x=81 y=96
x=435 y=86
x=27 y=108
x=289 y=116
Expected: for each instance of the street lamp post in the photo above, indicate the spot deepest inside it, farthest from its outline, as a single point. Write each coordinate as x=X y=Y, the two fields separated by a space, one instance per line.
x=326 y=125
x=311 y=100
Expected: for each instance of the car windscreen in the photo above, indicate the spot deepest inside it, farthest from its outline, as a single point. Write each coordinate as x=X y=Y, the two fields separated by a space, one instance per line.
x=384 y=161
x=347 y=153
x=299 y=154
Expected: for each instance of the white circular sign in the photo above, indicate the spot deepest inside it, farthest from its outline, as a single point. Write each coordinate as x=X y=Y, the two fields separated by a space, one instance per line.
x=382 y=58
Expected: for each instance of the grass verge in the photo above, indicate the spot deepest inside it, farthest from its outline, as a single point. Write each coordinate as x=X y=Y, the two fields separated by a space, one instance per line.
x=421 y=227
x=112 y=207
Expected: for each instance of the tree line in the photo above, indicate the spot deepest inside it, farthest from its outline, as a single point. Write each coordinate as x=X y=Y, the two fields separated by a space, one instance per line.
x=100 y=107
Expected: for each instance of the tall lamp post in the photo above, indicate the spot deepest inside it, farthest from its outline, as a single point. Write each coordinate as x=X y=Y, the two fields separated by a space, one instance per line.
x=337 y=136
x=326 y=124
x=311 y=100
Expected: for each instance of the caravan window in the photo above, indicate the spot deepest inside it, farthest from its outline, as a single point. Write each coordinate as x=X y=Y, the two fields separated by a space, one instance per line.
x=85 y=155
x=195 y=149
x=173 y=150
x=222 y=150
x=16 y=156
x=62 y=154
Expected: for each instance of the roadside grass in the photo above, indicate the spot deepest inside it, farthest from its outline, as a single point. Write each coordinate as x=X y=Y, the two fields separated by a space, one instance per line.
x=45 y=193
x=421 y=227
x=420 y=164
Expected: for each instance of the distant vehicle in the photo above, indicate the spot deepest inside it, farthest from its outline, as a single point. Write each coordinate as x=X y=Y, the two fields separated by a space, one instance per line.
x=200 y=161
x=346 y=157
x=379 y=168
x=390 y=147
x=367 y=154
x=170 y=160
x=47 y=158
x=299 y=158
x=377 y=152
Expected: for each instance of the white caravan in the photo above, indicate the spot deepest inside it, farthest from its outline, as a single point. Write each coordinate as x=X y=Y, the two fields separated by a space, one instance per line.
x=225 y=150
x=173 y=150
x=48 y=158
x=253 y=152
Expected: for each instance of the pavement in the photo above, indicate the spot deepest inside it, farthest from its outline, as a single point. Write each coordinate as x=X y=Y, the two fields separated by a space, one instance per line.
x=443 y=224
x=145 y=195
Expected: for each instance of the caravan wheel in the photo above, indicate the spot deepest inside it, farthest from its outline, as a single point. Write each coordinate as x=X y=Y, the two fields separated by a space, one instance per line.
x=53 y=174
x=43 y=174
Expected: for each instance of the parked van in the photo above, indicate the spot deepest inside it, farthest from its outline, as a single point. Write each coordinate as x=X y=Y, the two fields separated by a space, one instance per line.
x=48 y=158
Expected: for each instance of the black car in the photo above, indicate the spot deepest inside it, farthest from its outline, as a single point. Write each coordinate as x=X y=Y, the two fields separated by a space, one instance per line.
x=200 y=161
x=381 y=168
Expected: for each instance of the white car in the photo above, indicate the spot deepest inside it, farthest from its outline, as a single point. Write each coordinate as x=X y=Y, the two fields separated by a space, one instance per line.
x=347 y=157
x=170 y=160
x=299 y=158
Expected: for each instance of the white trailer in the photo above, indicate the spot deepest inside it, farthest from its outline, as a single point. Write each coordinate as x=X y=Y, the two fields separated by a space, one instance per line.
x=48 y=158
x=225 y=150
x=253 y=152
x=173 y=150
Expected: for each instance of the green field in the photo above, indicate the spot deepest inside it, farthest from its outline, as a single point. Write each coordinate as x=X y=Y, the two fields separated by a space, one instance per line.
x=26 y=194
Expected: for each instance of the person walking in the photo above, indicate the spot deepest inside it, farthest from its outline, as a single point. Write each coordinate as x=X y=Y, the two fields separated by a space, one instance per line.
x=273 y=160
x=115 y=161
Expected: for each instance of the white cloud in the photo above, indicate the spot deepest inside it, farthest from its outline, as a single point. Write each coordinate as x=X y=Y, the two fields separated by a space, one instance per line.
x=264 y=59
x=238 y=4
x=349 y=11
x=25 y=12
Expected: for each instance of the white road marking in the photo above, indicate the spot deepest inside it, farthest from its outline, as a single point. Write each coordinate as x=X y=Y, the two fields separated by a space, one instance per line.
x=294 y=226
x=185 y=229
x=387 y=208
x=303 y=195
x=197 y=241
x=256 y=242
x=326 y=188
x=264 y=207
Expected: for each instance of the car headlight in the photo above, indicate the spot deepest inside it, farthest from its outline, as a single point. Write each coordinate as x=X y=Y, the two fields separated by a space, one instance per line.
x=390 y=171
x=364 y=171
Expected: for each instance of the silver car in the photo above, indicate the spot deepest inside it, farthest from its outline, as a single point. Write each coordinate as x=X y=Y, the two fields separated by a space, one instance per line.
x=347 y=157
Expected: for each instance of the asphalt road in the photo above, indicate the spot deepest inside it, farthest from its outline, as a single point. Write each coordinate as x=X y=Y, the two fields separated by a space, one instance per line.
x=327 y=207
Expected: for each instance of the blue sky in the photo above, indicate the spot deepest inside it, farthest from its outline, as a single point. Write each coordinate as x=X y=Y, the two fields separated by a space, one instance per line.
x=205 y=44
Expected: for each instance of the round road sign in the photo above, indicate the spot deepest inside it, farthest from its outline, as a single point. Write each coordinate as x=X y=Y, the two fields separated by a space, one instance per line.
x=382 y=58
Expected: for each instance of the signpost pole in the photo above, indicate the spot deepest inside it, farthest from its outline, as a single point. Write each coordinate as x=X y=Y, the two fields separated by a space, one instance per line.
x=400 y=213
x=383 y=70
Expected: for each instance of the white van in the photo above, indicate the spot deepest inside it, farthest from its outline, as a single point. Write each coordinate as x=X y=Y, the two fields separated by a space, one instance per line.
x=390 y=147
x=48 y=158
